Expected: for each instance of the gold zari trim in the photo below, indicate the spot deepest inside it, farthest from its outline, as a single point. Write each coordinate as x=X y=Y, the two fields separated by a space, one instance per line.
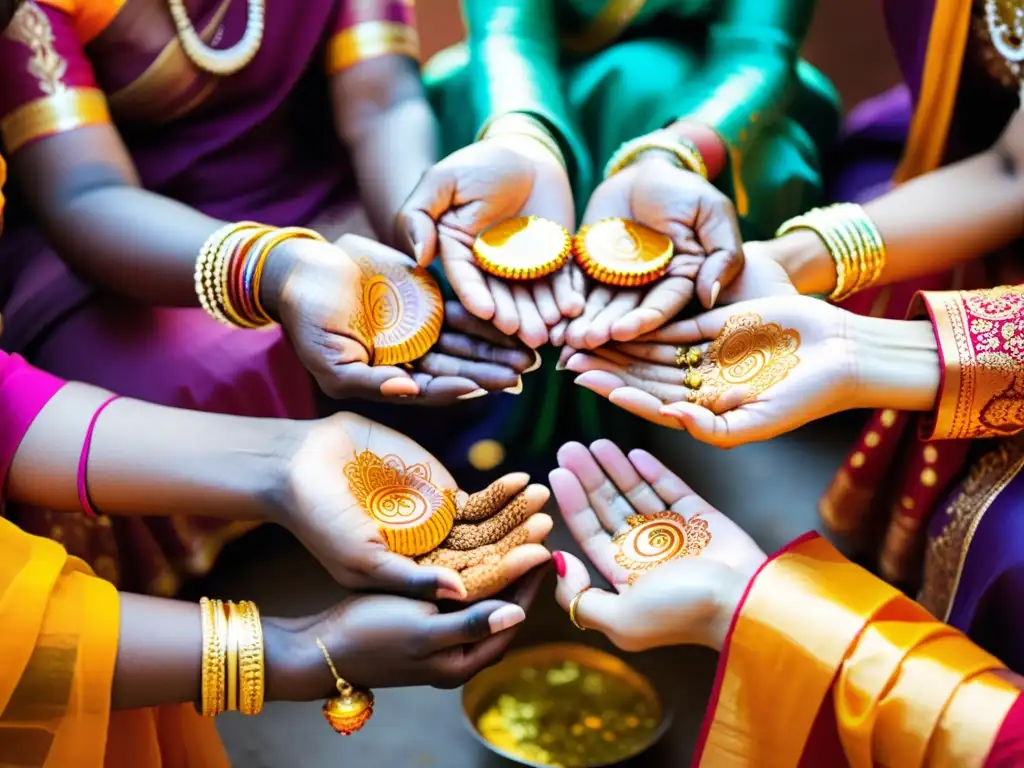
x=370 y=40
x=610 y=22
x=62 y=112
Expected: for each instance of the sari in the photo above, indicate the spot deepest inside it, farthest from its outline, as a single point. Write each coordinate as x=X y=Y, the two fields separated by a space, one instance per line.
x=259 y=145
x=929 y=499
x=598 y=73
x=859 y=676
x=59 y=642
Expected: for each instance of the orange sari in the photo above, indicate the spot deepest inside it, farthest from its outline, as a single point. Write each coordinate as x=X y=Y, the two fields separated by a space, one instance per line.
x=827 y=665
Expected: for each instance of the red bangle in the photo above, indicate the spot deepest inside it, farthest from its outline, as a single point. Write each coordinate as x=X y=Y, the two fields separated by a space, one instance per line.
x=83 y=460
x=710 y=145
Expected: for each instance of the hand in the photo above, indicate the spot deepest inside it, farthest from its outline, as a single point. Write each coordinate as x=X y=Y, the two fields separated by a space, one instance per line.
x=690 y=600
x=760 y=277
x=702 y=224
x=790 y=360
x=474 y=188
x=385 y=642
x=320 y=509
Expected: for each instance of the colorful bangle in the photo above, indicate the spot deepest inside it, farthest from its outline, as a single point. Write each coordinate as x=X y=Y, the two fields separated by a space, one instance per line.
x=83 y=459
x=853 y=241
x=685 y=152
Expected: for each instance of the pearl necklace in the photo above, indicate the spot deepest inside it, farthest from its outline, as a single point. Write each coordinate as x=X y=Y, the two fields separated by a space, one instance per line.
x=1008 y=37
x=213 y=60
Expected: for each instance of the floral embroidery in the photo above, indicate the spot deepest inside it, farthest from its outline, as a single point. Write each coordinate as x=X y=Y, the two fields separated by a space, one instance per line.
x=31 y=28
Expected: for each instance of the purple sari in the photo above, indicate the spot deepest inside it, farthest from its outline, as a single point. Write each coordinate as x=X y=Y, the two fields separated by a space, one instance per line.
x=968 y=518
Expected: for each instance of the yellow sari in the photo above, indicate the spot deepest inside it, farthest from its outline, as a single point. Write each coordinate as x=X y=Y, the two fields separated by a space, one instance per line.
x=58 y=642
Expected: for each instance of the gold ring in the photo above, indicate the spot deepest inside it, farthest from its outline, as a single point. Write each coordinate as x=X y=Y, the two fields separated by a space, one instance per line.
x=572 y=609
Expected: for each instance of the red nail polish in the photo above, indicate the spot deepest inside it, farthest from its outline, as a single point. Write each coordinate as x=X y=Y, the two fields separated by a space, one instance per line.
x=559 y=559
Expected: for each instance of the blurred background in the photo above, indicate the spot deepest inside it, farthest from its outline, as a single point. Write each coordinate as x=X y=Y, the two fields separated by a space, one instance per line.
x=425 y=728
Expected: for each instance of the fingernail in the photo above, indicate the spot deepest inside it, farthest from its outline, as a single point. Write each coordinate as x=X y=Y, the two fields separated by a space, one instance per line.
x=505 y=617
x=559 y=366
x=536 y=362
x=517 y=388
x=471 y=395
x=714 y=293
x=559 y=559
x=449 y=594
x=417 y=250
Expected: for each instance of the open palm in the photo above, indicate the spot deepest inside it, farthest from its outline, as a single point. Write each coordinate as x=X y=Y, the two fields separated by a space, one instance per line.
x=679 y=601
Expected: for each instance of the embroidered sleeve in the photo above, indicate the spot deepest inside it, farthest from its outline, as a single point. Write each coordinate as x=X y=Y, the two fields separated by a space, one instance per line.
x=366 y=29
x=980 y=335
x=49 y=85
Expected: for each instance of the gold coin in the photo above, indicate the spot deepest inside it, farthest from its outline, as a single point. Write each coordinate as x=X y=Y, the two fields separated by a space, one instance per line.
x=622 y=252
x=524 y=248
x=405 y=312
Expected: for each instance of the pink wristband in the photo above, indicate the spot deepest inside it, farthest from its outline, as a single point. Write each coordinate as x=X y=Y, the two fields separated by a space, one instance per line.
x=83 y=460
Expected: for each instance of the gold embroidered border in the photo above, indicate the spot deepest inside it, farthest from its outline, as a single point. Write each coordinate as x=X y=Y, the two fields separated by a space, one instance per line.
x=610 y=22
x=947 y=552
x=31 y=27
x=370 y=40
x=65 y=111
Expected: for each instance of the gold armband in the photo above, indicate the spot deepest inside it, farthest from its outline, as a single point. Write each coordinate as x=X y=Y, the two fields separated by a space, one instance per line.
x=522 y=124
x=685 y=152
x=852 y=240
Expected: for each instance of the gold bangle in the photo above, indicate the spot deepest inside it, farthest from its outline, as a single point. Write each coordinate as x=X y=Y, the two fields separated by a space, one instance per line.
x=522 y=124
x=214 y=624
x=686 y=153
x=234 y=629
x=266 y=244
x=852 y=240
x=251 y=669
x=209 y=266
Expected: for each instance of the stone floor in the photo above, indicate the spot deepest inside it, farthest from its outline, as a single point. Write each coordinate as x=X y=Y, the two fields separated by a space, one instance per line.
x=770 y=488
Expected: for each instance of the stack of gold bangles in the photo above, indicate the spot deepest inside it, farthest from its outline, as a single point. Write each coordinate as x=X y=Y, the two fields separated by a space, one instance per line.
x=853 y=241
x=233 y=673
x=229 y=271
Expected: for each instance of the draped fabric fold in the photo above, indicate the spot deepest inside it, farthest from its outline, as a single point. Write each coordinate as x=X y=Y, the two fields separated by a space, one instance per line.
x=859 y=675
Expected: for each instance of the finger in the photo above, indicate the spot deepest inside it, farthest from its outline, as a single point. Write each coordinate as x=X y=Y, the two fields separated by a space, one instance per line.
x=532 y=328
x=490 y=578
x=567 y=284
x=416 y=222
x=671 y=489
x=703 y=327
x=655 y=380
x=443 y=390
x=469 y=625
x=584 y=524
x=600 y=329
x=576 y=333
x=458 y=319
x=544 y=298
x=466 y=536
x=616 y=465
x=718 y=231
x=603 y=495
x=557 y=333
x=459 y=348
x=564 y=356
x=371 y=382
x=601 y=382
x=644 y=405
x=665 y=354
x=726 y=430
x=662 y=303
x=489 y=376
x=506 y=316
x=466 y=280
x=399 y=575
x=638 y=370
x=485 y=503
x=596 y=609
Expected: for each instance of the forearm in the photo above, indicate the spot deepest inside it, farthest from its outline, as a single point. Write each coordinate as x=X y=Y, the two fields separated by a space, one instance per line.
x=391 y=133
x=109 y=229
x=149 y=459
x=929 y=225
x=895 y=363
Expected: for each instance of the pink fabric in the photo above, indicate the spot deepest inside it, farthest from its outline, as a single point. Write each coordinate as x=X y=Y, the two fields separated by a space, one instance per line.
x=24 y=391
x=83 y=459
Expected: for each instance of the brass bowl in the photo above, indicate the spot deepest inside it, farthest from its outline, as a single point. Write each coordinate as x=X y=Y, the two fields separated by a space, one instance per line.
x=480 y=693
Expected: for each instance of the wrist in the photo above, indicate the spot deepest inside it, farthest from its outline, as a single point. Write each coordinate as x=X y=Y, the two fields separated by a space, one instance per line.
x=728 y=595
x=295 y=670
x=709 y=143
x=806 y=260
x=896 y=363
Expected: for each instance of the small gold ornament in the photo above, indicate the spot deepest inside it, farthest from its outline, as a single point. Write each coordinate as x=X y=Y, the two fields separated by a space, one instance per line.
x=414 y=515
x=403 y=311
x=651 y=541
x=524 y=248
x=351 y=708
x=623 y=253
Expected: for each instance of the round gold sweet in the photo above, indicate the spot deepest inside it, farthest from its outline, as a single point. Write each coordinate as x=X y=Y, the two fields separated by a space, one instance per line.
x=623 y=253
x=524 y=248
x=414 y=516
x=405 y=313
